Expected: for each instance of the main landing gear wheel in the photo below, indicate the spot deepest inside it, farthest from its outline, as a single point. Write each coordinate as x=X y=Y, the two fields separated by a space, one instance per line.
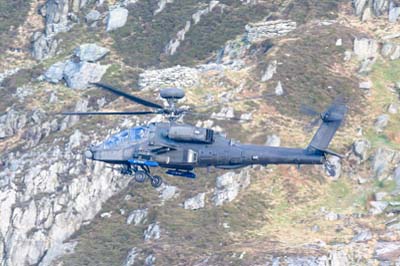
x=140 y=176
x=156 y=181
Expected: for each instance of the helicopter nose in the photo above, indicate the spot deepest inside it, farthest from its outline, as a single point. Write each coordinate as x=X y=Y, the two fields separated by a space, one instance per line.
x=89 y=154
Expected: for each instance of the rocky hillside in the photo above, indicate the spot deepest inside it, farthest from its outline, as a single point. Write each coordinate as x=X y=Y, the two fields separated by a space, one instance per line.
x=57 y=208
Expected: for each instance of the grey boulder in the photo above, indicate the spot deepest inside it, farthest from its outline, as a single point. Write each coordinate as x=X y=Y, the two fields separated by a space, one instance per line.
x=378 y=207
x=196 y=202
x=335 y=161
x=396 y=177
x=273 y=140
x=79 y=75
x=55 y=72
x=90 y=52
x=365 y=48
x=43 y=47
x=381 y=122
x=152 y=232
x=270 y=71
x=394 y=13
x=387 y=250
x=92 y=16
x=279 y=89
x=363 y=236
x=117 y=18
x=137 y=216
x=130 y=258
x=365 y=85
x=360 y=149
x=391 y=51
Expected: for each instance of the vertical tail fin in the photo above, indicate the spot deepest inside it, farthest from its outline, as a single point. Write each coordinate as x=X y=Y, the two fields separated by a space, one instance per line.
x=331 y=120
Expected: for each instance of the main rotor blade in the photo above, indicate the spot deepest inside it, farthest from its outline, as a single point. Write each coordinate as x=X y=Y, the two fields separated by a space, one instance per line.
x=307 y=110
x=128 y=96
x=109 y=113
x=217 y=117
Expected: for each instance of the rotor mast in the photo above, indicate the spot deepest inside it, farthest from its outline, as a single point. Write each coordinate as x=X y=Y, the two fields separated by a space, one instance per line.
x=172 y=95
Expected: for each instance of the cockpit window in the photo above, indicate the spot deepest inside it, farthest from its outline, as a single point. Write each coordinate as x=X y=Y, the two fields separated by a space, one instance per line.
x=132 y=135
x=137 y=133
x=116 y=139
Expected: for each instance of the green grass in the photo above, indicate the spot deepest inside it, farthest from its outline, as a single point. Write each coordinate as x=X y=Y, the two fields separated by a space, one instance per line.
x=215 y=29
x=306 y=10
x=384 y=74
x=308 y=70
x=142 y=41
x=380 y=140
x=12 y=14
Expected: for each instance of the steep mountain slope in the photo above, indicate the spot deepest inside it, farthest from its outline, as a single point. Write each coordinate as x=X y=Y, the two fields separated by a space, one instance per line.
x=57 y=208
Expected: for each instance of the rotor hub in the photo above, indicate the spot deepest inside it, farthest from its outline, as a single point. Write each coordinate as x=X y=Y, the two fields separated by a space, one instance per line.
x=172 y=93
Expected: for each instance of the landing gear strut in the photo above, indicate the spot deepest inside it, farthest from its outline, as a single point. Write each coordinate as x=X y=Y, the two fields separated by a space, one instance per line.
x=142 y=175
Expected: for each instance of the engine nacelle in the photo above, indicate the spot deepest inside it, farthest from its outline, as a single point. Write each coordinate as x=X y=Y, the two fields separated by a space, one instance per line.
x=191 y=134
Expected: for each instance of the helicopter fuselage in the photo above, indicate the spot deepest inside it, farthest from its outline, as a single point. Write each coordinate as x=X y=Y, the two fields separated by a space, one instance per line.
x=185 y=147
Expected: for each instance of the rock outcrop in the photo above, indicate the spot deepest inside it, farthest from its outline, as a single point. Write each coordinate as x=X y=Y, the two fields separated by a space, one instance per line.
x=263 y=30
x=196 y=202
x=11 y=122
x=152 y=232
x=55 y=73
x=8 y=73
x=43 y=46
x=382 y=162
x=58 y=16
x=391 y=51
x=361 y=148
x=137 y=217
x=228 y=186
x=178 y=76
x=366 y=9
x=78 y=74
x=365 y=48
x=174 y=44
x=225 y=113
x=270 y=71
x=53 y=204
x=161 y=5
x=130 y=258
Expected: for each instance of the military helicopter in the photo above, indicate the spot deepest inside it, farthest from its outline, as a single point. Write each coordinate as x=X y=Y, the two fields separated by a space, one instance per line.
x=180 y=147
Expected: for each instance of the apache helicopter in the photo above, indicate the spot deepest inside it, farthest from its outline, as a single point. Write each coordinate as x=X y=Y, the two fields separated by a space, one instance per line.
x=181 y=147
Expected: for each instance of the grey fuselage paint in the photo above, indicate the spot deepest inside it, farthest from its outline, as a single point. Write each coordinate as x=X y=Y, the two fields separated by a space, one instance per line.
x=223 y=153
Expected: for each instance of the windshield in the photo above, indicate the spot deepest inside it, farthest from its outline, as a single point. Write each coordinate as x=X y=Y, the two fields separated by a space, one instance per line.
x=128 y=136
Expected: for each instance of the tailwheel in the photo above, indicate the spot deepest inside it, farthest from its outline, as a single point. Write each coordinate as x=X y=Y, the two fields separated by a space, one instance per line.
x=156 y=181
x=140 y=176
x=330 y=168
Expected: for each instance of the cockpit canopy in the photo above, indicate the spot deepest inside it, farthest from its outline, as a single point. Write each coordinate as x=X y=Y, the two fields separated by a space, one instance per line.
x=129 y=136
